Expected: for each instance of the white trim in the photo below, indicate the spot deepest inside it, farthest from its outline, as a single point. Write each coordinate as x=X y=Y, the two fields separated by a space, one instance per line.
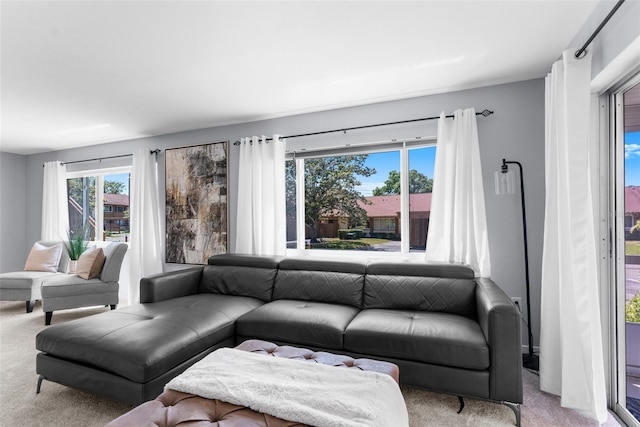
x=96 y=172
x=300 y=190
x=405 y=215
x=627 y=60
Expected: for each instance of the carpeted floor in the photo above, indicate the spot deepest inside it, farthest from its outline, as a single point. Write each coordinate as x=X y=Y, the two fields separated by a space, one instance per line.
x=57 y=405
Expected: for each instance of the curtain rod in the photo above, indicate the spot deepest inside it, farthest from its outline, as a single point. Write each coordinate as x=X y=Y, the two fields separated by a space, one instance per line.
x=483 y=113
x=582 y=51
x=156 y=151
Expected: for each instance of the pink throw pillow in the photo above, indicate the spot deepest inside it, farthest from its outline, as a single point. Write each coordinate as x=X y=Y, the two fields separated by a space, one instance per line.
x=90 y=263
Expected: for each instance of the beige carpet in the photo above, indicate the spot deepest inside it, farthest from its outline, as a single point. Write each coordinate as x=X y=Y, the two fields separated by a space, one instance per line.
x=57 y=405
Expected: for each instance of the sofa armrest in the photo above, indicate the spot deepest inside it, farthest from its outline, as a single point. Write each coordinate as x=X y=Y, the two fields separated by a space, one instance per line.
x=500 y=322
x=170 y=285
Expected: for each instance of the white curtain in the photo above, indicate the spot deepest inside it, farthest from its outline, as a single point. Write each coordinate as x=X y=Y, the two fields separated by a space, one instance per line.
x=261 y=218
x=145 y=248
x=571 y=352
x=458 y=222
x=55 y=208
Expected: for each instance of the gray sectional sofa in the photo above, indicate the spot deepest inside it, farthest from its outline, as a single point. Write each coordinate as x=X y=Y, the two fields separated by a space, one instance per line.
x=445 y=329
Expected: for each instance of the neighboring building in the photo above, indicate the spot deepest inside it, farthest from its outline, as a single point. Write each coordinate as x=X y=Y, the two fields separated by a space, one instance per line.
x=631 y=209
x=116 y=213
x=383 y=219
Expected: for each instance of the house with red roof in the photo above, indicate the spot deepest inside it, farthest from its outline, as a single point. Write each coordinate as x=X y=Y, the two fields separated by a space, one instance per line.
x=383 y=219
x=631 y=209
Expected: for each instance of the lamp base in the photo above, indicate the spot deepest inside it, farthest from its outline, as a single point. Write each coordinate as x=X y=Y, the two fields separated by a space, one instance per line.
x=531 y=361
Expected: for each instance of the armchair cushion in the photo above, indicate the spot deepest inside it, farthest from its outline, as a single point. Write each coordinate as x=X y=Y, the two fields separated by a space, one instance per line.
x=90 y=263
x=44 y=258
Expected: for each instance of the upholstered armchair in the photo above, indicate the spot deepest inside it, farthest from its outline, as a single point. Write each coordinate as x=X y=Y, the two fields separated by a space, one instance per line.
x=74 y=291
x=59 y=290
x=26 y=285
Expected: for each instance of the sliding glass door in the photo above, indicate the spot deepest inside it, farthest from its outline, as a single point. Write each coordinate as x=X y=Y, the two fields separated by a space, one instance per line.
x=626 y=119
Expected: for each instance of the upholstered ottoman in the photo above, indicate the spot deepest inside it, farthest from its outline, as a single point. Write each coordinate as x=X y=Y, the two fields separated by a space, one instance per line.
x=174 y=408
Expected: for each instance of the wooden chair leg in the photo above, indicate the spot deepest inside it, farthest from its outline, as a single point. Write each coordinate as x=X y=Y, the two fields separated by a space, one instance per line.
x=47 y=318
x=30 y=305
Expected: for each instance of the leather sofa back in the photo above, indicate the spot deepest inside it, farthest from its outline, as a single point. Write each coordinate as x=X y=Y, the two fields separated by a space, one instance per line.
x=243 y=275
x=338 y=282
x=447 y=288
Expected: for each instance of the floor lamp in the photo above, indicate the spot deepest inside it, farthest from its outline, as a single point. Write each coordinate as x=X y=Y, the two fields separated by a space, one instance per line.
x=505 y=184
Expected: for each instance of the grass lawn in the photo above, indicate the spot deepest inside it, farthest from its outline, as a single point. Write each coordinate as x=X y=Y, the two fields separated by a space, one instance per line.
x=632 y=247
x=347 y=244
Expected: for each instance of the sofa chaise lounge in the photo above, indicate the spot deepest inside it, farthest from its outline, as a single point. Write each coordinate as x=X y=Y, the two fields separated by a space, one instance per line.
x=447 y=330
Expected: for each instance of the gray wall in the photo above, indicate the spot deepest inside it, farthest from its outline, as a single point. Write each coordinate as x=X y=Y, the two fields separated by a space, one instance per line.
x=13 y=224
x=620 y=32
x=515 y=132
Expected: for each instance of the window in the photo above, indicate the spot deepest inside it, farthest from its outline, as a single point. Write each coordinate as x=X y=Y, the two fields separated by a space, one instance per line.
x=89 y=214
x=384 y=225
x=365 y=198
x=625 y=260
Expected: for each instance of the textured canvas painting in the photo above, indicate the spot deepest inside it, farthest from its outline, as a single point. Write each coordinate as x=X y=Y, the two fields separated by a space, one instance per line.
x=196 y=202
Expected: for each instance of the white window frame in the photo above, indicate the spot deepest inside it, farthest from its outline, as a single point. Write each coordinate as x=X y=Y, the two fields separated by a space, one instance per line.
x=403 y=146
x=99 y=174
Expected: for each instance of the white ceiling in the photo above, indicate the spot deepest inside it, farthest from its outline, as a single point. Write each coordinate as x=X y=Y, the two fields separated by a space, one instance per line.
x=80 y=73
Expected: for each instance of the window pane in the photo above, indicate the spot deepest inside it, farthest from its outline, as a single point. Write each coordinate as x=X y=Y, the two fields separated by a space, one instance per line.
x=631 y=333
x=82 y=204
x=354 y=201
x=341 y=210
x=114 y=214
x=116 y=207
x=421 y=162
x=290 y=182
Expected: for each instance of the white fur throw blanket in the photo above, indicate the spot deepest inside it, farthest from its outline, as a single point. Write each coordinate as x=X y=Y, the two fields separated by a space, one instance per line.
x=304 y=392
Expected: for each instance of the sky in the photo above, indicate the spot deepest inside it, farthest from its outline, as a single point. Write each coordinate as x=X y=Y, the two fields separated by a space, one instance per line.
x=421 y=159
x=632 y=158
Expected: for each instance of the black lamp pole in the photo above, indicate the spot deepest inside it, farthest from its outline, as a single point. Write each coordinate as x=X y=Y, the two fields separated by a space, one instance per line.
x=529 y=360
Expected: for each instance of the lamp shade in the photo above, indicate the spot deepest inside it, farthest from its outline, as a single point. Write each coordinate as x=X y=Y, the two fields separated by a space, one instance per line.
x=505 y=182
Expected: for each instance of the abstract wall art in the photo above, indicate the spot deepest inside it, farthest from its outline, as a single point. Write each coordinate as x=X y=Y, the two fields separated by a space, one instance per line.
x=196 y=203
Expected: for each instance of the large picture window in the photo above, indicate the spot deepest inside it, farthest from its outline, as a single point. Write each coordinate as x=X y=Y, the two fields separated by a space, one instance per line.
x=99 y=204
x=369 y=198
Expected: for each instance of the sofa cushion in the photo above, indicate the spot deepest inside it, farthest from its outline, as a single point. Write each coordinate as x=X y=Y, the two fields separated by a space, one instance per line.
x=70 y=285
x=244 y=275
x=320 y=280
x=301 y=322
x=436 y=338
x=142 y=341
x=420 y=286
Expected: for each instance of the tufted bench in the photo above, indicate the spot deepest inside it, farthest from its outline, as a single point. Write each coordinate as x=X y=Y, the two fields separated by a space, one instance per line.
x=173 y=408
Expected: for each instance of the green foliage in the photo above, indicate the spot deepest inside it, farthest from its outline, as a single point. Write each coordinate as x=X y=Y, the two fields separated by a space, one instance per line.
x=418 y=183
x=114 y=187
x=330 y=189
x=76 y=245
x=632 y=248
x=632 y=309
x=350 y=234
x=347 y=244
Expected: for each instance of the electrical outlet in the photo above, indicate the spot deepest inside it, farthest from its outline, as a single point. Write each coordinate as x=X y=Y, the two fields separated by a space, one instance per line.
x=518 y=302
